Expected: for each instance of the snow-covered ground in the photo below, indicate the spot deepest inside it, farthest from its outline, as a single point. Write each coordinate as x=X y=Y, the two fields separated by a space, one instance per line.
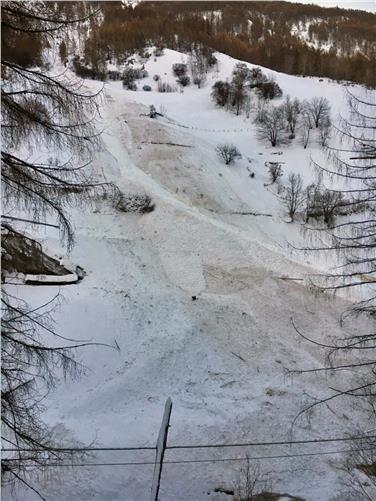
x=221 y=357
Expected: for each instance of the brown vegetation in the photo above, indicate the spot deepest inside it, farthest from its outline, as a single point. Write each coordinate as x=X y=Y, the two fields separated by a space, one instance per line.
x=265 y=33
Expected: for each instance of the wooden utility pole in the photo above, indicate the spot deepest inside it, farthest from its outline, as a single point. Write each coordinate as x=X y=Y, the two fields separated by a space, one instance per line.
x=161 y=446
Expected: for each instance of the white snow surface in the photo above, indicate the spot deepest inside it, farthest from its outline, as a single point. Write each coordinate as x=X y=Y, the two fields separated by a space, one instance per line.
x=221 y=357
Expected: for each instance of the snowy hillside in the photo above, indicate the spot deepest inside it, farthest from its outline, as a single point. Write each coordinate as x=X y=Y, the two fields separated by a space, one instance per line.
x=196 y=295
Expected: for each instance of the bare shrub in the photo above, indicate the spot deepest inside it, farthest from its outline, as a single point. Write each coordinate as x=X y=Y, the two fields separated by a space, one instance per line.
x=165 y=87
x=269 y=90
x=275 y=171
x=228 y=153
x=221 y=93
x=324 y=204
x=140 y=202
x=183 y=80
x=152 y=111
x=251 y=482
x=179 y=69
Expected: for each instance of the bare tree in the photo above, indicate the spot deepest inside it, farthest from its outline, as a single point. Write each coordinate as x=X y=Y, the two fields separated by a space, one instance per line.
x=198 y=66
x=325 y=128
x=306 y=126
x=238 y=93
x=39 y=108
x=329 y=202
x=293 y=196
x=228 y=153
x=353 y=244
x=270 y=126
x=359 y=479
x=292 y=111
x=275 y=171
x=319 y=109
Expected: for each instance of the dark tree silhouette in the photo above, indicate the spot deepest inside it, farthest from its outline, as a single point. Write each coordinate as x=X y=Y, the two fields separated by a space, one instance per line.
x=353 y=243
x=39 y=108
x=228 y=153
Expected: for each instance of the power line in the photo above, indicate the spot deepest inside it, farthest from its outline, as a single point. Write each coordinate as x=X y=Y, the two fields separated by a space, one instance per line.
x=256 y=444
x=78 y=449
x=197 y=446
x=218 y=460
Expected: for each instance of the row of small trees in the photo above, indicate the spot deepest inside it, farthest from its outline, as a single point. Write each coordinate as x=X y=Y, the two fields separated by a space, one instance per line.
x=235 y=95
x=200 y=61
x=279 y=124
x=314 y=201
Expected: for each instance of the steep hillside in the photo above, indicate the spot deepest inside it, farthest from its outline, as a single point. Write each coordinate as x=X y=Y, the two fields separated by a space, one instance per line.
x=199 y=300
x=285 y=36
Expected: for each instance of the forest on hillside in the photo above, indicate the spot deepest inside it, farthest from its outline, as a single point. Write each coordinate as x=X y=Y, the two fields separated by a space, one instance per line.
x=292 y=38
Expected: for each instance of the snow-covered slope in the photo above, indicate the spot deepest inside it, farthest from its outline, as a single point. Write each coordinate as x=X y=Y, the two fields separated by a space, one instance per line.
x=220 y=357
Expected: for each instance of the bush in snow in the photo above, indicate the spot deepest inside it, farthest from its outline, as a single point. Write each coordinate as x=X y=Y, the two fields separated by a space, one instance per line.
x=128 y=77
x=184 y=80
x=269 y=90
x=130 y=86
x=256 y=77
x=323 y=203
x=179 y=69
x=152 y=111
x=156 y=78
x=221 y=93
x=140 y=203
x=113 y=75
x=86 y=72
x=251 y=483
x=165 y=87
x=131 y=74
x=146 y=88
x=212 y=60
x=158 y=51
x=275 y=171
x=199 y=81
x=228 y=153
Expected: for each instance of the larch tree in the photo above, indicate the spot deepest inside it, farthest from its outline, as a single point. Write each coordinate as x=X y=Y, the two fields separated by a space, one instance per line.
x=43 y=114
x=353 y=245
